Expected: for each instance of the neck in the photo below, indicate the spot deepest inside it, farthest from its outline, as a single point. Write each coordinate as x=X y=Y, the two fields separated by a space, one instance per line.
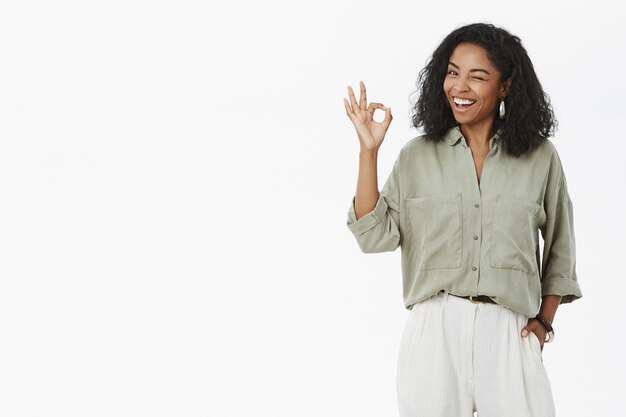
x=478 y=135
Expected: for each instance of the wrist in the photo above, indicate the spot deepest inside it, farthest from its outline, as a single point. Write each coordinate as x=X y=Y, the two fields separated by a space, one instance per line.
x=368 y=152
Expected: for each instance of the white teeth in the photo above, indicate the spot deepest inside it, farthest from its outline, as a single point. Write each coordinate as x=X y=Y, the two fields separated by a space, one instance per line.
x=463 y=101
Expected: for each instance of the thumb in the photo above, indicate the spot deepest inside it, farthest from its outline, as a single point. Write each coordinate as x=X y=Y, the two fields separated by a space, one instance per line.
x=387 y=120
x=529 y=327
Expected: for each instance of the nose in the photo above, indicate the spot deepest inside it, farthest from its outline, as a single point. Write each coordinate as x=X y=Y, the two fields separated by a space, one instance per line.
x=460 y=85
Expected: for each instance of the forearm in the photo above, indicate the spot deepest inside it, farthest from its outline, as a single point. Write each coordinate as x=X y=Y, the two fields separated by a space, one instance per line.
x=549 y=305
x=367 y=185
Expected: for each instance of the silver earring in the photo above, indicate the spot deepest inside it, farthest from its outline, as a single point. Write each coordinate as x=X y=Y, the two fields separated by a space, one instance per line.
x=502 y=109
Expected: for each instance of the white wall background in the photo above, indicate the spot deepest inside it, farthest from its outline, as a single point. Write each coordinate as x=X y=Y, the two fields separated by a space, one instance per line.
x=174 y=183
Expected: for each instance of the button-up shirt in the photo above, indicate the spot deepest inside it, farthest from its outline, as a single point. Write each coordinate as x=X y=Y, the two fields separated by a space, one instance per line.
x=473 y=238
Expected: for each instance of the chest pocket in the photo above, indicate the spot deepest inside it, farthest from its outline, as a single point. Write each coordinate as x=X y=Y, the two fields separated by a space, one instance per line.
x=514 y=237
x=435 y=230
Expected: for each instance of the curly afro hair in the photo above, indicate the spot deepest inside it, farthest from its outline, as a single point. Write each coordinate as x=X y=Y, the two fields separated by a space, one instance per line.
x=529 y=116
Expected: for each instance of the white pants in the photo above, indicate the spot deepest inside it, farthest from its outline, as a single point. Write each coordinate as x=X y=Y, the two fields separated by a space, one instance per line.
x=458 y=357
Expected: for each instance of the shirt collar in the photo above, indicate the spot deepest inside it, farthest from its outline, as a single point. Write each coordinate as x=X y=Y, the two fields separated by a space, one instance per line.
x=454 y=136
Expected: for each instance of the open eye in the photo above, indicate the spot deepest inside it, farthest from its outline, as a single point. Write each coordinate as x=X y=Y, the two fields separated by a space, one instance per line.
x=452 y=72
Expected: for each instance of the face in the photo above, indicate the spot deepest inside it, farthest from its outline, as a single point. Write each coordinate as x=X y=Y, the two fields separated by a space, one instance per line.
x=473 y=80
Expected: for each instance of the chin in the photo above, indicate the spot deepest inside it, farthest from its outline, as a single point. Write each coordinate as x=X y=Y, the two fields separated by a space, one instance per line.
x=464 y=120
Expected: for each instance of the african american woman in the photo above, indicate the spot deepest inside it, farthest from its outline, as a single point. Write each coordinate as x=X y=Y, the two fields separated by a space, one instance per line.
x=466 y=201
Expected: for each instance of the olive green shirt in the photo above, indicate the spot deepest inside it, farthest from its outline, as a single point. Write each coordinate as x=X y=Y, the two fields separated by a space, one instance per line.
x=470 y=238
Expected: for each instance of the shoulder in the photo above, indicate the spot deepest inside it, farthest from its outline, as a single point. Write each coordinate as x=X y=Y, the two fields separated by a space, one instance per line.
x=547 y=150
x=549 y=162
x=546 y=147
x=419 y=144
x=434 y=142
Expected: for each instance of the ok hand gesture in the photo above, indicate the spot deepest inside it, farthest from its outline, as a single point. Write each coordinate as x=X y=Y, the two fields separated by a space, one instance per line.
x=370 y=132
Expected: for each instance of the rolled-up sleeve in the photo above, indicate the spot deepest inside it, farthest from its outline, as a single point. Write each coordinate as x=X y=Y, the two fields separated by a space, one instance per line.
x=378 y=230
x=558 y=276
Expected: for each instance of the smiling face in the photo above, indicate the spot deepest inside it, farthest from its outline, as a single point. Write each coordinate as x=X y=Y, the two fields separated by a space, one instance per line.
x=472 y=85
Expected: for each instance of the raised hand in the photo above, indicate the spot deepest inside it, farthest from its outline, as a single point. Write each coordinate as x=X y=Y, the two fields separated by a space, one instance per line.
x=370 y=132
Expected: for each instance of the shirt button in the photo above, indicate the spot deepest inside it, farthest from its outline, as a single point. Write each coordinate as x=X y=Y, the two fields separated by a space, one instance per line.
x=476 y=205
x=473 y=268
x=475 y=237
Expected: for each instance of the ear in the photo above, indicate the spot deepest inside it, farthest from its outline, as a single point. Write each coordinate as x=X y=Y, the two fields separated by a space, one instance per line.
x=504 y=88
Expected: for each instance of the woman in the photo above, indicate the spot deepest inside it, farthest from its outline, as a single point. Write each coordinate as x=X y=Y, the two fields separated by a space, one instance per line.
x=466 y=201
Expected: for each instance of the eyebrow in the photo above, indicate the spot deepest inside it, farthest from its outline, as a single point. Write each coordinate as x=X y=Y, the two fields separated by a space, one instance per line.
x=472 y=70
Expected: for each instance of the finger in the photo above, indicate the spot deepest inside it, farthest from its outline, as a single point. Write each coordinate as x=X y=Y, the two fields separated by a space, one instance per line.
x=355 y=107
x=363 y=97
x=373 y=106
x=349 y=111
